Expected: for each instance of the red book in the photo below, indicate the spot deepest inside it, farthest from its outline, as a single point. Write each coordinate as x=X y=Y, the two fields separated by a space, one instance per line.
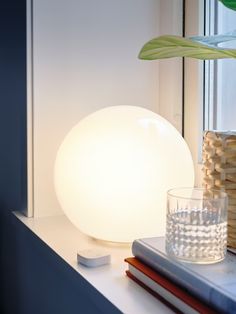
x=160 y=286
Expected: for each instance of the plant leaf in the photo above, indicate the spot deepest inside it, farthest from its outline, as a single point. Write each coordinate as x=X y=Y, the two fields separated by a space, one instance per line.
x=169 y=46
x=215 y=39
x=231 y=4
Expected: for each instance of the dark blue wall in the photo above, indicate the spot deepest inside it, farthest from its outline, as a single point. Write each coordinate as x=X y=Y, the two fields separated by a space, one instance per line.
x=13 y=104
x=12 y=137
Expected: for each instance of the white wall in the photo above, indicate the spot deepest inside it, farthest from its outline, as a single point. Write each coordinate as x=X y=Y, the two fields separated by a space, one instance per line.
x=85 y=58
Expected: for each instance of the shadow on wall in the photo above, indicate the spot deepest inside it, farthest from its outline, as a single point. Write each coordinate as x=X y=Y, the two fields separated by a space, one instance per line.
x=8 y=264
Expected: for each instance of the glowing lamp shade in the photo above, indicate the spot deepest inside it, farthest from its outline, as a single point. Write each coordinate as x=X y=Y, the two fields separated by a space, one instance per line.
x=113 y=170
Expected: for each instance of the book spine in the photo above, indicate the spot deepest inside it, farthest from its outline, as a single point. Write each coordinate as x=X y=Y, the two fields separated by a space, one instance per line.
x=163 y=297
x=199 y=288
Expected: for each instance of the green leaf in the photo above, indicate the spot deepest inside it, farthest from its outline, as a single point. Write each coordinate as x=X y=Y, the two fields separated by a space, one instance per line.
x=169 y=46
x=231 y=4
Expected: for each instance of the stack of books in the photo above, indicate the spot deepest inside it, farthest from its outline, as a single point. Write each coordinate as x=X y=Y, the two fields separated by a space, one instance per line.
x=189 y=287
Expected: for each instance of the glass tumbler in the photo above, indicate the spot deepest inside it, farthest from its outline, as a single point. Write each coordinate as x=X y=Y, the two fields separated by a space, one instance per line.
x=196 y=225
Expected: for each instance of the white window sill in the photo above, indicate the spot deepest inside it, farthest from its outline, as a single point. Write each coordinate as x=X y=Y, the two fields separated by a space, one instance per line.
x=110 y=280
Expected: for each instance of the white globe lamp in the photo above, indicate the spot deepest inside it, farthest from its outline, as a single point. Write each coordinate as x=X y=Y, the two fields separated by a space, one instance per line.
x=113 y=170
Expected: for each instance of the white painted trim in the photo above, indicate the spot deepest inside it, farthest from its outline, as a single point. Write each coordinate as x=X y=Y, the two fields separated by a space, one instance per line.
x=171 y=70
x=210 y=97
x=194 y=87
x=29 y=64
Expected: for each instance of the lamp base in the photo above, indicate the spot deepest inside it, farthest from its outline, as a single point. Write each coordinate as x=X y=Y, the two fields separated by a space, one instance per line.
x=111 y=243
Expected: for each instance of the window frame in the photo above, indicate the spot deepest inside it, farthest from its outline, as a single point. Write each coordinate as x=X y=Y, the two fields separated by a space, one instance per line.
x=194 y=87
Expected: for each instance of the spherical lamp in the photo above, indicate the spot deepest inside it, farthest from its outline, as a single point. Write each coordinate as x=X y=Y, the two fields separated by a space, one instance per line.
x=113 y=170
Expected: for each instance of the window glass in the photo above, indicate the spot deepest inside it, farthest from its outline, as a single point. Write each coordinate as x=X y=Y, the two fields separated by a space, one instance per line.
x=220 y=75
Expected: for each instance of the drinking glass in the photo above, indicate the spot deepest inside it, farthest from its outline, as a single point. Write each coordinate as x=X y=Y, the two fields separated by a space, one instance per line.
x=196 y=227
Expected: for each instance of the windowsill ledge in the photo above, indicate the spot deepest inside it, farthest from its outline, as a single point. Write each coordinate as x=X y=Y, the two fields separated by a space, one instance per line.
x=109 y=280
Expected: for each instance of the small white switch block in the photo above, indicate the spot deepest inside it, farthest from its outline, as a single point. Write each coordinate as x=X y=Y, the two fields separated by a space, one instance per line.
x=93 y=257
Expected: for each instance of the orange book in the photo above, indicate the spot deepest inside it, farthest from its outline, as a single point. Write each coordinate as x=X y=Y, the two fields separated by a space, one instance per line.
x=160 y=286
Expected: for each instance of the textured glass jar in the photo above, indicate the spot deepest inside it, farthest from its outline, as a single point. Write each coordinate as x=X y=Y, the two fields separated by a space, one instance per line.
x=196 y=225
